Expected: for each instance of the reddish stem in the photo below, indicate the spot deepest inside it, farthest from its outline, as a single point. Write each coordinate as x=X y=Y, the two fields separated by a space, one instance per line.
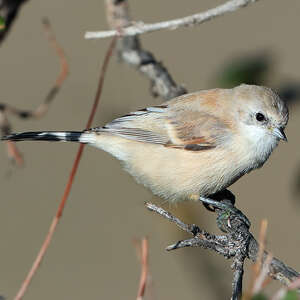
x=64 y=198
x=144 y=265
x=14 y=153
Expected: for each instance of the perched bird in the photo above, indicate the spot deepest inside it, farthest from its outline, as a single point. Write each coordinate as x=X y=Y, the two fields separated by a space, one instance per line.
x=192 y=146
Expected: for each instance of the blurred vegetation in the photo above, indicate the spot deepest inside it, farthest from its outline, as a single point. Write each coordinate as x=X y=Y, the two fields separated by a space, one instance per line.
x=251 y=69
x=2 y=23
x=255 y=69
x=290 y=295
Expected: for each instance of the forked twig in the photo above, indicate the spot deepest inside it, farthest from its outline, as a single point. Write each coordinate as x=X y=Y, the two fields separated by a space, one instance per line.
x=42 y=109
x=62 y=204
x=238 y=244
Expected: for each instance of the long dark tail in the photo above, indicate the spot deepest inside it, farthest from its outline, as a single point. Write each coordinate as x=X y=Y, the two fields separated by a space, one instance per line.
x=52 y=136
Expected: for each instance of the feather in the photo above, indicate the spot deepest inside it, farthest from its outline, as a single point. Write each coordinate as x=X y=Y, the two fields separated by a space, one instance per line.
x=167 y=125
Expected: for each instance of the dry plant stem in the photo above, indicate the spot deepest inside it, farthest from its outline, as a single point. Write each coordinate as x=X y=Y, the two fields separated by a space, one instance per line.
x=144 y=266
x=196 y=19
x=14 y=153
x=131 y=52
x=258 y=273
x=238 y=243
x=62 y=204
x=262 y=276
x=262 y=242
x=43 y=108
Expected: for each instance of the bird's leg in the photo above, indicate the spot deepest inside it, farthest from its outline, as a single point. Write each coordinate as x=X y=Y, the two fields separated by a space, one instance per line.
x=223 y=202
x=222 y=195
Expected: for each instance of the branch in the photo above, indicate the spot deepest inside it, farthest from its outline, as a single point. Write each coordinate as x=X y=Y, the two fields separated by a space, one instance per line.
x=238 y=244
x=42 y=109
x=69 y=184
x=196 y=19
x=9 y=10
x=131 y=52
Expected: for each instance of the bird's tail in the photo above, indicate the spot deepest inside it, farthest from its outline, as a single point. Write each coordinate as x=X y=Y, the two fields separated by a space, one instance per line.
x=52 y=136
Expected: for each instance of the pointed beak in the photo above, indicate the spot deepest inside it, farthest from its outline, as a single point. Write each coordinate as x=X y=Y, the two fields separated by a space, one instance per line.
x=280 y=133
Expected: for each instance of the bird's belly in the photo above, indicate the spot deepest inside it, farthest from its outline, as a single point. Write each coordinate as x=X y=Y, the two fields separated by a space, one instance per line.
x=176 y=174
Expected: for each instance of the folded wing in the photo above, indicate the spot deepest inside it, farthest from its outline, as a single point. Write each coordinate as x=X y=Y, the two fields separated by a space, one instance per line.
x=175 y=126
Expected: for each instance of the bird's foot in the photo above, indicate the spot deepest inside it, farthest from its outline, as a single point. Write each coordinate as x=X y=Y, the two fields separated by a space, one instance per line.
x=227 y=212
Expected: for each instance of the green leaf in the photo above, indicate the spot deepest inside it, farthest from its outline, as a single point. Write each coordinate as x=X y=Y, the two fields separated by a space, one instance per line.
x=259 y=297
x=250 y=69
x=291 y=295
x=2 y=23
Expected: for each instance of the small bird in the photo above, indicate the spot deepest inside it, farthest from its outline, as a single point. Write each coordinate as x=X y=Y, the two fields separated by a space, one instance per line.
x=192 y=146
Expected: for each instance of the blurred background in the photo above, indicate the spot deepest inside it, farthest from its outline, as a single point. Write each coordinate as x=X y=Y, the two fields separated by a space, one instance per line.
x=92 y=255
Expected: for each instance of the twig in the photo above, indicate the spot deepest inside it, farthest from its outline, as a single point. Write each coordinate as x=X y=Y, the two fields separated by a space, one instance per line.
x=238 y=243
x=254 y=285
x=144 y=249
x=262 y=243
x=14 y=153
x=131 y=52
x=42 y=109
x=62 y=204
x=262 y=276
x=196 y=19
x=282 y=292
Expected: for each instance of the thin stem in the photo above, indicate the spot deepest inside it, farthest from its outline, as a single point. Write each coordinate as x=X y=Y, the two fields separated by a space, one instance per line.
x=62 y=204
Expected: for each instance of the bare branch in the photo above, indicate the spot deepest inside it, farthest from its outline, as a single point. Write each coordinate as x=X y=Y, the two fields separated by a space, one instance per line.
x=42 y=109
x=131 y=52
x=238 y=244
x=196 y=19
x=262 y=276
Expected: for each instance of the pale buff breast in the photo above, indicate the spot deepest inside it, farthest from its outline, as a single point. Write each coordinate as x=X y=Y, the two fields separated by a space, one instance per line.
x=174 y=174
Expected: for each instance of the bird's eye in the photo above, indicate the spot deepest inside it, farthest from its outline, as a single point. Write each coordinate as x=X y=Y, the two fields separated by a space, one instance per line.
x=260 y=117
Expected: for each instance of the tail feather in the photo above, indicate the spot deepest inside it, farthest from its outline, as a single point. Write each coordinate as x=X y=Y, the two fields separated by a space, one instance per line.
x=68 y=136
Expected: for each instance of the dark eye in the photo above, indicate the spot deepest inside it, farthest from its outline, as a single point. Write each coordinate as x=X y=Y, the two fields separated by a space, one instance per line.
x=260 y=117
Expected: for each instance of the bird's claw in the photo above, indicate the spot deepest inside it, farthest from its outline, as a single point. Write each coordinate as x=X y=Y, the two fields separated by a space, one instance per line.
x=227 y=213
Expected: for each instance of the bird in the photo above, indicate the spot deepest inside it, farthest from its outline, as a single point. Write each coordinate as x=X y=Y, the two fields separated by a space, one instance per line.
x=192 y=146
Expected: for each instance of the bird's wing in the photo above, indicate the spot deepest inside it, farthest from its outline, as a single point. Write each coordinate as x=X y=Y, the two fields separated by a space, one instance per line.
x=195 y=130
x=145 y=125
x=174 y=126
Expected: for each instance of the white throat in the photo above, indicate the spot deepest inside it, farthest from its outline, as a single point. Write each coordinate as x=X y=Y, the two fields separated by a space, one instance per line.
x=260 y=143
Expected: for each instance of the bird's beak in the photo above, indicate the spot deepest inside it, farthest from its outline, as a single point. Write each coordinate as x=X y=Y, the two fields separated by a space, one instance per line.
x=280 y=133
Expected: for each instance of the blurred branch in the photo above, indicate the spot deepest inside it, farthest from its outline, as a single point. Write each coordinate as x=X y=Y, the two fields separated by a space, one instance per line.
x=196 y=19
x=131 y=52
x=238 y=243
x=260 y=268
x=42 y=109
x=8 y=12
